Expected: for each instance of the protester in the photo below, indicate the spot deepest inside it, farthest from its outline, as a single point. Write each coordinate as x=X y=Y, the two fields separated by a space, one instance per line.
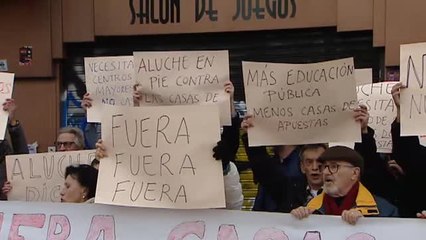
x=271 y=171
x=343 y=194
x=281 y=189
x=80 y=184
x=14 y=142
x=70 y=139
x=411 y=157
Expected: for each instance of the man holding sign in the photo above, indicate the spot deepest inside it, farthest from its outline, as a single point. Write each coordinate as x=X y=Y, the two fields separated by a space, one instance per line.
x=17 y=140
x=411 y=156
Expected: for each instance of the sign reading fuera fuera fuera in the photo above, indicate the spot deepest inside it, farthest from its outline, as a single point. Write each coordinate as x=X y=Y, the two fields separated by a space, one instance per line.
x=40 y=176
x=184 y=78
x=6 y=88
x=161 y=157
x=109 y=80
x=301 y=103
x=413 y=98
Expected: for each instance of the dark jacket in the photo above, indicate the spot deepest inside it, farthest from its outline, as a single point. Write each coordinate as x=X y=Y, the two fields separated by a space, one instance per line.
x=375 y=176
x=282 y=185
x=18 y=146
x=411 y=156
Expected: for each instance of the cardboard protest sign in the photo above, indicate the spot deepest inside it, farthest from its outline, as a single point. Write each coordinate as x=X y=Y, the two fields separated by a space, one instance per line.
x=413 y=98
x=184 y=78
x=40 y=176
x=161 y=157
x=6 y=88
x=109 y=80
x=377 y=98
x=363 y=76
x=40 y=221
x=301 y=103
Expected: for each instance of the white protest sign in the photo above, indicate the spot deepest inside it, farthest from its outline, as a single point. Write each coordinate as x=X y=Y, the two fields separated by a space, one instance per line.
x=301 y=103
x=377 y=98
x=109 y=80
x=413 y=98
x=363 y=76
x=184 y=78
x=40 y=221
x=6 y=88
x=40 y=176
x=161 y=157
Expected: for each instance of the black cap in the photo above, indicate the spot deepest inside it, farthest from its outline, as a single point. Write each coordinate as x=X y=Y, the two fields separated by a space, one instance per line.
x=342 y=153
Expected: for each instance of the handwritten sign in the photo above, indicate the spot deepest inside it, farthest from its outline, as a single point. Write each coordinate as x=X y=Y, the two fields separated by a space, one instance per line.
x=6 y=88
x=184 y=78
x=413 y=98
x=161 y=157
x=40 y=221
x=40 y=176
x=301 y=103
x=109 y=80
x=363 y=76
x=378 y=100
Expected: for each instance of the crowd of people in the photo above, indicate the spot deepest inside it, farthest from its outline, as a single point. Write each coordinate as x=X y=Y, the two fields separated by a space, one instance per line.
x=297 y=179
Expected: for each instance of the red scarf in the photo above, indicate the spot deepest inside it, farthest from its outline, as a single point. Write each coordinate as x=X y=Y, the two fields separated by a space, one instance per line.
x=331 y=207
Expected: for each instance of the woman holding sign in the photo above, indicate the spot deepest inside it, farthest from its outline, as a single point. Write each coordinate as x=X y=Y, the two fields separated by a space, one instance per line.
x=79 y=186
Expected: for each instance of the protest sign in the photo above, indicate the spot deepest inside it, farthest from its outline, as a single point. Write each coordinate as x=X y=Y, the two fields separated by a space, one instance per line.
x=184 y=78
x=377 y=98
x=40 y=176
x=161 y=157
x=413 y=98
x=6 y=88
x=38 y=221
x=363 y=76
x=109 y=80
x=301 y=103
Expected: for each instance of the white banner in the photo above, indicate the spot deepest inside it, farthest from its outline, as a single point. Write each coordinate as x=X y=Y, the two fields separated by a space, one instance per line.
x=40 y=176
x=109 y=80
x=6 y=89
x=40 y=221
x=413 y=98
x=301 y=103
x=184 y=78
x=161 y=157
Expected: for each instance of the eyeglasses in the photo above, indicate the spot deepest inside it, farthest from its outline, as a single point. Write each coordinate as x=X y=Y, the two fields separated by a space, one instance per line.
x=334 y=167
x=65 y=144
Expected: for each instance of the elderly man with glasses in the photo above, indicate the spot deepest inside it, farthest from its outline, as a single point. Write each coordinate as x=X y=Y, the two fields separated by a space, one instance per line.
x=69 y=139
x=343 y=194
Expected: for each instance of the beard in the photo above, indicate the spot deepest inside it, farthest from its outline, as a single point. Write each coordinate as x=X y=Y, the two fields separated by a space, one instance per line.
x=331 y=190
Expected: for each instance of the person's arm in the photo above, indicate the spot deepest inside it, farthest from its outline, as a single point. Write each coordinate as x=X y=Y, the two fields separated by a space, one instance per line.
x=17 y=135
x=406 y=150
